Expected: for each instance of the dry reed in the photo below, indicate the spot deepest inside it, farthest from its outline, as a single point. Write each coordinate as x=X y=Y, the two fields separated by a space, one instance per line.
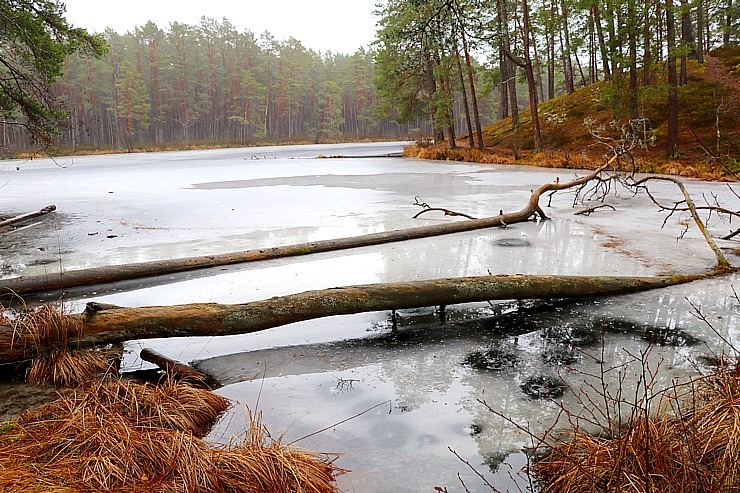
x=693 y=445
x=118 y=436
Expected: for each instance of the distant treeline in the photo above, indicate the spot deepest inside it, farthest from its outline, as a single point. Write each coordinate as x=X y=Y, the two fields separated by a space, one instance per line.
x=190 y=84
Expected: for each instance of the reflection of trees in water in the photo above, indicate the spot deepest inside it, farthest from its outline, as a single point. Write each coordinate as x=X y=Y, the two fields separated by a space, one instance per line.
x=668 y=308
x=420 y=373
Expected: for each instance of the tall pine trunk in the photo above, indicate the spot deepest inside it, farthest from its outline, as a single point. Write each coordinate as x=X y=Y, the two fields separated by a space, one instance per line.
x=567 y=59
x=605 y=57
x=672 y=148
x=632 y=33
x=646 y=56
x=473 y=96
x=550 y=37
x=728 y=24
x=471 y=141
x=700 y=31
x=503 y=22
x=536 y=134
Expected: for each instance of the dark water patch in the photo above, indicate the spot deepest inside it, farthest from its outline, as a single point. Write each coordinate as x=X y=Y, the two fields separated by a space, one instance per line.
x=571 y=335
x=665 y=336
x=495 y=358
x=403 y=408
x=543 y=387
x=493 y=461
x=715 y=361
x=560 y=356
x=509 y=324
x=474 y=429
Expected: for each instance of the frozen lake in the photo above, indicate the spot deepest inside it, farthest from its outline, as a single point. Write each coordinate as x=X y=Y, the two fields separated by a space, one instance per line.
x=305 y=377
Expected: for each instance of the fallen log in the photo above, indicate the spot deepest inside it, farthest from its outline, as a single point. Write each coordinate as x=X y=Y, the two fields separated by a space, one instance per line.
x=112 y=325
x=25 y=217
x=176 y=370
x=25 y=285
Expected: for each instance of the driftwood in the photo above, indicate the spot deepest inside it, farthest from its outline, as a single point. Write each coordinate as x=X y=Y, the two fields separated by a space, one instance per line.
x=25 y=217
x=24 y=285
x=107 y=326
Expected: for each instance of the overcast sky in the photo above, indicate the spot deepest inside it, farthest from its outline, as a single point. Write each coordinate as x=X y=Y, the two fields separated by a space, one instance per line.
x=336 y=25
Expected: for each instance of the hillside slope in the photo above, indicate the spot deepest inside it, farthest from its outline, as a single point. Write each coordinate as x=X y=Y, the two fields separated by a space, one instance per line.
x=709 y=125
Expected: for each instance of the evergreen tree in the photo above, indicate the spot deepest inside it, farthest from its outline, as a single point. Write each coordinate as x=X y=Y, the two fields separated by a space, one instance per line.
x=35 y=39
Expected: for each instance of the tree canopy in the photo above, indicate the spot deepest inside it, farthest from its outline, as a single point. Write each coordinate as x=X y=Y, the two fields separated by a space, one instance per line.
x=35 y=40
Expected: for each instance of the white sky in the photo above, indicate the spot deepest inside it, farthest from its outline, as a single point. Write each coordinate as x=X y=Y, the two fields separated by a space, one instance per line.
x=337 y=25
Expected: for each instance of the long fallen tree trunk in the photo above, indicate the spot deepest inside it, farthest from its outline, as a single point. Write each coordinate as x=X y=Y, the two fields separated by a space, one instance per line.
x=50 y=282
x=106 y=324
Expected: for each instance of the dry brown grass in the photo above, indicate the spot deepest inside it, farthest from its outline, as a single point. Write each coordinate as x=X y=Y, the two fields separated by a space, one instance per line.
x=51 y=332
x=70 y=368
x=689 y=446
x=46 y=327
x=267 y=465
x=127 y=437
x=441 y=153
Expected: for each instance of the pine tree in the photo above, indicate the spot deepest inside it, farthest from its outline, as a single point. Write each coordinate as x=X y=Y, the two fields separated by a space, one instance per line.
x=35 y=39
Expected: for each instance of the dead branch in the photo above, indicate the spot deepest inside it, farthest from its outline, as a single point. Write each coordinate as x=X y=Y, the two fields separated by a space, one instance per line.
x=175 y=369
x=426 y=208
x=26 y=217
x=590 y=210
x=447 y=212
x=722 y=262
x=712 y=154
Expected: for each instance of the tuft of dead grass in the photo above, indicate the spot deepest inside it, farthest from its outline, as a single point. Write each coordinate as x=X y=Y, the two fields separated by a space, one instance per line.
x=51 y=331
x=267 y=465
x=45 y=327
x=118 y=436
x=692 y=446
x=70 y=369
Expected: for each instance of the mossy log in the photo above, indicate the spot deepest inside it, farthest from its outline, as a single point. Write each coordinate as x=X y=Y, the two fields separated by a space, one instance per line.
x=25 y=285
x=112 y=324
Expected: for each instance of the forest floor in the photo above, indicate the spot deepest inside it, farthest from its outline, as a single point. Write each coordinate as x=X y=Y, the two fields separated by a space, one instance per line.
x=709 y=126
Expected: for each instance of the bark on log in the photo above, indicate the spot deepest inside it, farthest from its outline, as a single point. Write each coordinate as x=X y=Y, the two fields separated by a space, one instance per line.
x=25 y=285
x=107 y=326
x=25 y=217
